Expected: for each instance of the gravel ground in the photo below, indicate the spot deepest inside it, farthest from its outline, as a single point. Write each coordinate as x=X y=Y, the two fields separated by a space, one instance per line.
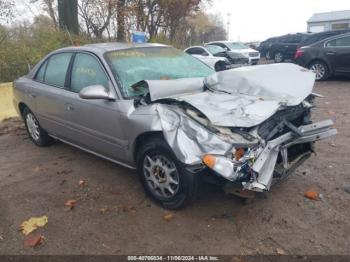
x=112 y=215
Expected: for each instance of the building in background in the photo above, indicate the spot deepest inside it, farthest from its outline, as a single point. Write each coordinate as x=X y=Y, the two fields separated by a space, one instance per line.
x=337 y=20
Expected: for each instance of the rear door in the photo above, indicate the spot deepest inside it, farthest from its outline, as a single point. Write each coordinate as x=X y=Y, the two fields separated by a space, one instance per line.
x=93 y=124
x=337 y=52
x=50 y=80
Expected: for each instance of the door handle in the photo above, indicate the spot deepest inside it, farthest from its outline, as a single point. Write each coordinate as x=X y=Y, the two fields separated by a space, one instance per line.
x=69 y=107
x=330 y=53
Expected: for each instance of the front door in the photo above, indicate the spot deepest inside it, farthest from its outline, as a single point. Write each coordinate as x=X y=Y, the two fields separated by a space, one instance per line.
x=93 y=124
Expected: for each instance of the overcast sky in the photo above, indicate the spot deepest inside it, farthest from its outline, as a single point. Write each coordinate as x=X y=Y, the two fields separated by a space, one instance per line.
x=252 y=20
x=259 y=19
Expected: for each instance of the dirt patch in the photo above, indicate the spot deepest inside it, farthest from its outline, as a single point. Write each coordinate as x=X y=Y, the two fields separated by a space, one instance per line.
x=112 y=215
x=13 y=125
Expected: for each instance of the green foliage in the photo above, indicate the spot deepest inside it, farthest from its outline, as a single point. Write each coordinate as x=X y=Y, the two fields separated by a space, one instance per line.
x=23 y=45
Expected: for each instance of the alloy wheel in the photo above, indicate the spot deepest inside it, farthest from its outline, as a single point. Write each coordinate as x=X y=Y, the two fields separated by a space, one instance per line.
x=161 y=175
x=33 y=126
x=278 y=58
x=319 y=70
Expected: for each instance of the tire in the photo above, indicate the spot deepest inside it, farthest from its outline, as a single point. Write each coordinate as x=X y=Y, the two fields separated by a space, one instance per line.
x=163 y=176
x=38 y=135
x=320 y=69
x=220 y=66
x=278 y=57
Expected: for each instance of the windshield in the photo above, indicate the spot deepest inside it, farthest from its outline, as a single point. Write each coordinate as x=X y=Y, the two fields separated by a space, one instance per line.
x=214 y=49
x=236 y=45
x=133 y=65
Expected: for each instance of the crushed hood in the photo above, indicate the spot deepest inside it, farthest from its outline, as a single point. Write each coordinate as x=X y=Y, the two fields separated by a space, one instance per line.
x=242 y=97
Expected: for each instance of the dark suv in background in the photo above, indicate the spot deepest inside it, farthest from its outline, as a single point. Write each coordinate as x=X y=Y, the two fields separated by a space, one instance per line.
x=284 y=47
x=330 y=56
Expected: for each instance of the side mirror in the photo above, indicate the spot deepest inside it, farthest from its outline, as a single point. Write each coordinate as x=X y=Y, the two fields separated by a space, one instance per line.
x=96 y=92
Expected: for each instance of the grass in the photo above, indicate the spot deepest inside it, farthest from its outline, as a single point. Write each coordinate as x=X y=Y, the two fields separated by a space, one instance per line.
x=6 y=107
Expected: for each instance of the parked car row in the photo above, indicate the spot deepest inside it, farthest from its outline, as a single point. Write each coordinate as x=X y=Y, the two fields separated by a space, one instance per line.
x=222 y=55
x=284 y=47
x=326 y=53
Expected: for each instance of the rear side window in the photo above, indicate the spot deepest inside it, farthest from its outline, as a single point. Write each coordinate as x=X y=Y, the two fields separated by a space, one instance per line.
x=87 y=71
x=41 y=73
x=54 y=70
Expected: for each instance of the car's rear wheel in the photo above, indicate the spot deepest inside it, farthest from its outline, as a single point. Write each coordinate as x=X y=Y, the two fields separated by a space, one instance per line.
x=38 y=135
x=220 y=66
x=320 y=69
x=163 y=176
x=279 y=57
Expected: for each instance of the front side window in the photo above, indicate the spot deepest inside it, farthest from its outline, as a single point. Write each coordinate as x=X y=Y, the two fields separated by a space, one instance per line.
x=133 y=65
x=87 y=71
x=340 y=42
x=56 y=69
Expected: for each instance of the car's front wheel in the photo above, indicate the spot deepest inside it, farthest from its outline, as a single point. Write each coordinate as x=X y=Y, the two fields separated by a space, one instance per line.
x=163 y=176
x=38 y=135
x=320 y=69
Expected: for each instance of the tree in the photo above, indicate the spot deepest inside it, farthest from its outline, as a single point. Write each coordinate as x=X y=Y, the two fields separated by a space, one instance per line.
x=50 y=7
x=68 y=15
x=97 y=15
x=121 y=37
x=6 y=10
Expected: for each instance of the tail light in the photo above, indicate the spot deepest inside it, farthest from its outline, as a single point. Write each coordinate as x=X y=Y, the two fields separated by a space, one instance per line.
x=298 y=53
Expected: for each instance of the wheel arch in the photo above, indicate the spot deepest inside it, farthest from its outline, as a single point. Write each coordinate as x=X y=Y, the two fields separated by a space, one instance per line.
x=143 y=137
x=21 y=107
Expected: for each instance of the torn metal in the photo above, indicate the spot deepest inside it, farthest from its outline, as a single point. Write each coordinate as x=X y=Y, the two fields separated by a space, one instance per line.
x=262 y=111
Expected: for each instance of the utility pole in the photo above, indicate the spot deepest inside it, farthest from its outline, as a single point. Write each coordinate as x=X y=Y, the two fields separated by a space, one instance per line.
x=228 y=25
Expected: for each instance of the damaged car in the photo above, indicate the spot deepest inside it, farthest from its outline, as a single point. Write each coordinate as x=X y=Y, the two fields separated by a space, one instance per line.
x=161 y=111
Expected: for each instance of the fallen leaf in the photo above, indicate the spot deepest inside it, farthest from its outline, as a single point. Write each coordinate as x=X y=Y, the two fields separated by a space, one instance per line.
x=33 y=223
x=70 y=203
x=128 y=208
x=33 y=241
x=103 y=210
x=280 y=251
x=82 y=183
x=312 y=194
x=168 y=217
x=332 y=144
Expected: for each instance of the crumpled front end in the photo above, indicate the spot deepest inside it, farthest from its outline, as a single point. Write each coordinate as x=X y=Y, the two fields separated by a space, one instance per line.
x=250 y=133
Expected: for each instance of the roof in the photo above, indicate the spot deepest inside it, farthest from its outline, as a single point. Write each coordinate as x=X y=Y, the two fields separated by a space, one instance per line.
x=110 y=46
x=330 y=16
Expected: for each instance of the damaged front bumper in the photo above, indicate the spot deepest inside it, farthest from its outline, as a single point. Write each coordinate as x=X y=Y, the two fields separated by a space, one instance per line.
x=258 y=167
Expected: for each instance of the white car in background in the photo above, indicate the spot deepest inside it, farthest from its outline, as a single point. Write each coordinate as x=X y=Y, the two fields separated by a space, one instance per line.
x=207 y=57
x=251 y=54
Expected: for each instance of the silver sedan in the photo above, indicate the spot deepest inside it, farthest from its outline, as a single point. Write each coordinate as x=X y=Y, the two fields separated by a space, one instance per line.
x=156 y=109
